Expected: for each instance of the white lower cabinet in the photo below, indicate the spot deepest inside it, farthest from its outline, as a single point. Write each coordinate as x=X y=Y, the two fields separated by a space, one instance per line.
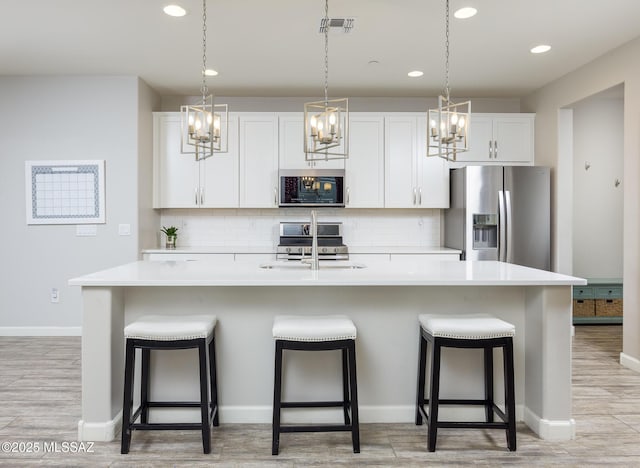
x=411 y=179
x=258 y=149
x=179 y=181
x=218 y=258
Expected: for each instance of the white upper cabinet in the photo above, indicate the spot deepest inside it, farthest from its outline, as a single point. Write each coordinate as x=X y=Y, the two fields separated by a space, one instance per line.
x=258 y=160
x=179 y=181
x=500 y=139
x=365 y=165
x=411 y=179
x=291 y=154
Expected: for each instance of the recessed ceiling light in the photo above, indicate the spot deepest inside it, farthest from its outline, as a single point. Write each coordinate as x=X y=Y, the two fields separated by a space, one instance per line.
x=466 y=12
x=174 y=10
x=541 y=49
x=210 y=72
x=415 y=73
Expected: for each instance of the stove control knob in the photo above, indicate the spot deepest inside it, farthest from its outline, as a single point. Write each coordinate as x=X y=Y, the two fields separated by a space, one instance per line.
x=324 y=250
x=288 y=249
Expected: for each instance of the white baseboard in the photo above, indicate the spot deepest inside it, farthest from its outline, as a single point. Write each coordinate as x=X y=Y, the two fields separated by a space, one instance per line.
x=40 y=331
x=630 y=362
x=100 y=432
x=548 y=429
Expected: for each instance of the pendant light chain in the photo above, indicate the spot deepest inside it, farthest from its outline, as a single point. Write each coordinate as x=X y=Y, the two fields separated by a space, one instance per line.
x=326 y=51
x=204 y=89
x=446 y=44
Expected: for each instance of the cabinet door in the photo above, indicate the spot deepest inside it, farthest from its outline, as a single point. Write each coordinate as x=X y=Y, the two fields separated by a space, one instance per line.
x=258 y=160
x=219 y=174
x=175 y=175
x=480 y=140
x=433 y=173
x=400 y=190
x=291 y=130
x=365 y=165
x=513 y=139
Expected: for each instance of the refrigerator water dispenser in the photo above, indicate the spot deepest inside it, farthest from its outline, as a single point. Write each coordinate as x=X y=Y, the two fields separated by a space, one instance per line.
x=485 y=231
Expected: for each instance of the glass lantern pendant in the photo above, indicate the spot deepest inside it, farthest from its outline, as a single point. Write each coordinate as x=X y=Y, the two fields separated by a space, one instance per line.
x=326 y=123
x=448 y=128
x=204 y=126
x=448 y=125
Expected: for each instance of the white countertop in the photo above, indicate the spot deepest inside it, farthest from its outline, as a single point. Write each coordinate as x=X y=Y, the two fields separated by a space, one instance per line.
x=437 y=273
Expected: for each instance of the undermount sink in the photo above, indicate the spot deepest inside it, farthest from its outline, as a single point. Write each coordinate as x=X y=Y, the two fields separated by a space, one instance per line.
x=324 y=265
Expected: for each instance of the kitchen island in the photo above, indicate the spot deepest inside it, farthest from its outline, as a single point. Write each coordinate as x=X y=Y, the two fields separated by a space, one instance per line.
x=383 y=300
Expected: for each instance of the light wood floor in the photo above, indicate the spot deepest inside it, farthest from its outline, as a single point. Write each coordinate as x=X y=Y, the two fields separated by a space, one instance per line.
x=40 y=401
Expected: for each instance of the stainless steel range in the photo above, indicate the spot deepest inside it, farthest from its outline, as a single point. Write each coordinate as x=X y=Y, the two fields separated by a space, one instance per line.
x=296 y=239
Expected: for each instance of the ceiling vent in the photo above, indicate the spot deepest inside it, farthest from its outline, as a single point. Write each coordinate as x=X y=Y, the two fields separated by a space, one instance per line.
x=337 y=25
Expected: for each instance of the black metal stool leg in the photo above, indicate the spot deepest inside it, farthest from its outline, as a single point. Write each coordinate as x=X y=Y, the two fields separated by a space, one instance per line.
x=277 y=399
x=422 y=362
x=509 y=395
x=213 y=379
x=345 y=387
x=355 y=420
x=127 y=400
x=434 y=397
x=204 y=397
x=488 y=383
x=144 y=385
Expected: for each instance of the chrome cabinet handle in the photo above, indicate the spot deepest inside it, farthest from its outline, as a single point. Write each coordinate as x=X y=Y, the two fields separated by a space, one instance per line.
x=275 y=196
x=420 y=196
x=490 y=149
x=196 y=193
x=414 y=196
x=201 y=196
x=348 y=194
x=495 y=149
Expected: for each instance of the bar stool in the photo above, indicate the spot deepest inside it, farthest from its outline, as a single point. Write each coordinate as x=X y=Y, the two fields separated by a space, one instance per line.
x=466 y=331
x=158 y=332
x=317 y=333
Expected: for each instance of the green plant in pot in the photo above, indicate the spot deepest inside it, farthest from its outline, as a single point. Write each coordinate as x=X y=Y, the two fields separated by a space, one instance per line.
x=172 y=233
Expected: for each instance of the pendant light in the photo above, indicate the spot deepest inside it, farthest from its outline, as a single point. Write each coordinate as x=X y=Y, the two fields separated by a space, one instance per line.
x=448 y=125
x=205 y=125
x=326 y=123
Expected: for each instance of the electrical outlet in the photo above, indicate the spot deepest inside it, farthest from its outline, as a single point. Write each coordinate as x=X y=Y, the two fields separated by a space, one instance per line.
x=55 y=295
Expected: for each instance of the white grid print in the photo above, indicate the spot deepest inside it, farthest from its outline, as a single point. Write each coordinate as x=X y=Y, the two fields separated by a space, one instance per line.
x=65 y=192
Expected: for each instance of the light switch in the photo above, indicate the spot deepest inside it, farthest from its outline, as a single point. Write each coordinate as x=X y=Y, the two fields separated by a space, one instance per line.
x=124 y=229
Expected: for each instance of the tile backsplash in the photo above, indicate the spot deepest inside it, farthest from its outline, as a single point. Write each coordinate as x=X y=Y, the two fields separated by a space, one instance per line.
x=251 y=227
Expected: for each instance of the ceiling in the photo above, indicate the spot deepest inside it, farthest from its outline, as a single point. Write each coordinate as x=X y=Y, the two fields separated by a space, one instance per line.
x=274 y=48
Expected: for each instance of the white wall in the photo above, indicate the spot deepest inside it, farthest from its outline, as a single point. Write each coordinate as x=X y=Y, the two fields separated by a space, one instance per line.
x=618 y=66
x=66 y=118
x=597 y=202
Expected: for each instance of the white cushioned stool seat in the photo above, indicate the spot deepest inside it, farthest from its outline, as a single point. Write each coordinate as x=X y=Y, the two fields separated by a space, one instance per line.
x=171 y=327
x=313 y=328
x=466 y=327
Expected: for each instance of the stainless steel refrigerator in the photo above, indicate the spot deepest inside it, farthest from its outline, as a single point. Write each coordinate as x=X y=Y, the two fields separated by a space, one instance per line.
x=501 y=213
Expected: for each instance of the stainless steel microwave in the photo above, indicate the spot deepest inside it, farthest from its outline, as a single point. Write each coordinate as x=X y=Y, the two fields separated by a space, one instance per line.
x=312 y=187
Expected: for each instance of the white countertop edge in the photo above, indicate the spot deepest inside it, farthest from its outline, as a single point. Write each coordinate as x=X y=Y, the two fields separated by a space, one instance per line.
x=437 y=273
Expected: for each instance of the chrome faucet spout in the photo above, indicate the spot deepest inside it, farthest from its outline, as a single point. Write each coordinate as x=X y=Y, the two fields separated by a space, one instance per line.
x=315 y=263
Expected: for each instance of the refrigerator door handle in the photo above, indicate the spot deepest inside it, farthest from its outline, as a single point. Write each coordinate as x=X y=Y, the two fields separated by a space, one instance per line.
x=502 y=231
x=509 y=249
